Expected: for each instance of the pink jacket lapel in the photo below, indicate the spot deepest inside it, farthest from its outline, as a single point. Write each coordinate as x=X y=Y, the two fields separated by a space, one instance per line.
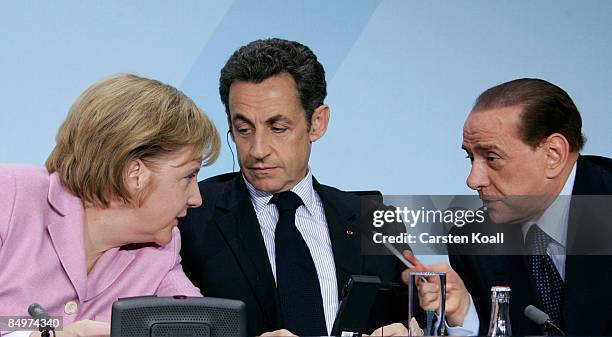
x=66 y=231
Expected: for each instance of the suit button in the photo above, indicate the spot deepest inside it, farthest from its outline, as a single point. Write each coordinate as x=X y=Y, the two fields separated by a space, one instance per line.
x=71 y=307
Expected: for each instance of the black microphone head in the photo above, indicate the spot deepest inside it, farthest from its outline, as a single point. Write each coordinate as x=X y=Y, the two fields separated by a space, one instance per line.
x=37 y=311
x=536 y=315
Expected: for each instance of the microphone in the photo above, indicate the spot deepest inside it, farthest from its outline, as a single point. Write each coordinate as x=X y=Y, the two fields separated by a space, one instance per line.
x=536 y=315
x=539 y=317
x=39 y=313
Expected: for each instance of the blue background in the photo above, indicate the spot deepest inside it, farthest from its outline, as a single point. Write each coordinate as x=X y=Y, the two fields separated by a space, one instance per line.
x=402 y=75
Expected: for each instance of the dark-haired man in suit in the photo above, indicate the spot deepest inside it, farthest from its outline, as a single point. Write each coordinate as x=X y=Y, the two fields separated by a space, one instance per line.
x=523 y=139
x=271 y=235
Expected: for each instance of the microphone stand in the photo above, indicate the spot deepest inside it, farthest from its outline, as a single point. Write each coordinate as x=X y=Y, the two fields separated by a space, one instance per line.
x=549 y=325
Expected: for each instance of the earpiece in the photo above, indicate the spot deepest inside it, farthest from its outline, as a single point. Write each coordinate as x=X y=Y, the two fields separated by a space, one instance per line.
x=229 y=132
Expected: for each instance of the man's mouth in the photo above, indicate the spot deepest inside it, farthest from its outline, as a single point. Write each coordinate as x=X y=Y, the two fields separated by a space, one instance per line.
x=262 y=169
x=490 y=201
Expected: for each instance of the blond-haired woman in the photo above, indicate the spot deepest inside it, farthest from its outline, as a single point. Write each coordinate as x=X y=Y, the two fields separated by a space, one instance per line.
x=99 y=222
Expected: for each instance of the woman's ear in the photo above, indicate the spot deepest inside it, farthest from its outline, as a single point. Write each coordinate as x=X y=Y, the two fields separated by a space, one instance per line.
x=137 y=178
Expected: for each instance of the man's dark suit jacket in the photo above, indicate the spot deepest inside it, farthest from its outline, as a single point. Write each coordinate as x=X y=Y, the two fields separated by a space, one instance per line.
x=224 y=253
x=587 y=307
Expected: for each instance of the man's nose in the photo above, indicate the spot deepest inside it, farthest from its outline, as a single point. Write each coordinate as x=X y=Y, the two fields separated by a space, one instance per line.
x=260 y=148
x=478 y=177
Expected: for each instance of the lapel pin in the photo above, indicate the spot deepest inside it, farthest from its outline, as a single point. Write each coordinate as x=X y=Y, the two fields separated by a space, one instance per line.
x=349 y=232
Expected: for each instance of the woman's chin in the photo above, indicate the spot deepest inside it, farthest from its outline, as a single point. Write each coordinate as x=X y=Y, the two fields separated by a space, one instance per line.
x=164 y=238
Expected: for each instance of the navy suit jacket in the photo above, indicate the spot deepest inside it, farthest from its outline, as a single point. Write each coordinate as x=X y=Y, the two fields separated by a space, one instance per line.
x=224 y=253
x=587 y=307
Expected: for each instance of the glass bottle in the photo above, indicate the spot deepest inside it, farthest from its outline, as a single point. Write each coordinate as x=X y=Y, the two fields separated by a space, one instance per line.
x=500 y=312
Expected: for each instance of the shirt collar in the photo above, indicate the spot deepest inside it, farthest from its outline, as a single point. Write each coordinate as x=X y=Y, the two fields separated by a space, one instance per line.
x=304 y=189
x=555 y=218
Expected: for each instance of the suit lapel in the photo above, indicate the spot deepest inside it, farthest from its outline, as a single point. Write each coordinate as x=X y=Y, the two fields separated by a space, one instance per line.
x=589 y=229
x=587 y=262
x=241 y=230
x=67 y=238
x=108 y=269
x=345 y=237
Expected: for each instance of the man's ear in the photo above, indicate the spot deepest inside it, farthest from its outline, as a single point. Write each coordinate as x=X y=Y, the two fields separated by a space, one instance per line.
x=319 y=122
x=557 y=154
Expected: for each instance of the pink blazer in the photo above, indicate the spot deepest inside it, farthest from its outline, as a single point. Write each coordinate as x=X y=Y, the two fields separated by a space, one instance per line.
x=42 y=255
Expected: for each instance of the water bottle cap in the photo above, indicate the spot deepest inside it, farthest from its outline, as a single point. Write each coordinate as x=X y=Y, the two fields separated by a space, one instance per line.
x=498 y=289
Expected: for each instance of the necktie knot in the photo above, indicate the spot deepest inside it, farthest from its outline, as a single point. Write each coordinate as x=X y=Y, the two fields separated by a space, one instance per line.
x=286 y=201
x=536 y=240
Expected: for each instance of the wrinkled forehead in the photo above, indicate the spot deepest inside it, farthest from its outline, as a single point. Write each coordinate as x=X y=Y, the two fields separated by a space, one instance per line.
x=274 y=96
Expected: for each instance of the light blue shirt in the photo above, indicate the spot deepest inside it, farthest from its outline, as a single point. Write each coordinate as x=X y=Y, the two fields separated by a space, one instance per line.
x=554 y=223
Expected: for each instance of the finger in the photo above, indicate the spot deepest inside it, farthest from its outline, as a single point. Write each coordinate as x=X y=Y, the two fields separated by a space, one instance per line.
x=377 y=332
x=96 y=329
x=428 y=287
x=418 y=266
x=428 y=305
x=416 y=329
x=451 y=274
x=440 y=267
x=413 y=259
x=433 y=279
x=283 y=332
x=431 y=299
x=406 y=276
x=395 y=329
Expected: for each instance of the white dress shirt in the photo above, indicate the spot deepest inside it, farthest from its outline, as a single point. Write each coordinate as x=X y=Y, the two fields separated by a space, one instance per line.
x=554 y=222
x=311 y=223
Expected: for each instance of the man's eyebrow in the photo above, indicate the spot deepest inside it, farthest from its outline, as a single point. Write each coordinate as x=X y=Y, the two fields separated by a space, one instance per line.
x=487 y=147
x=278 y=118
x=484 y=147
x=241 y=117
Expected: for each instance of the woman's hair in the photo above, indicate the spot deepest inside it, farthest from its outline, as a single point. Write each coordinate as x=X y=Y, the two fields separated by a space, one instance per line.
x=119 y=119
